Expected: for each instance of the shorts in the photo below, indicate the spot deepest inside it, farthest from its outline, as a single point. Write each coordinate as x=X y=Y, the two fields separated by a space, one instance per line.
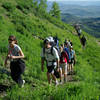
x=64 y=66
x=51 y=69
x=72 y=61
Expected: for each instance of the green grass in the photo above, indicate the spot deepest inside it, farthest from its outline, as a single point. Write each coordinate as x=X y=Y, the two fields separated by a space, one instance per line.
x=23 y=24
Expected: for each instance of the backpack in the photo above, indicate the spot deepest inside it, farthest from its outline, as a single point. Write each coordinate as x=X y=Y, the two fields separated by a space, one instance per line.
x=56 y=41
x=83 y=40
x=62 y=57
x=56 y=73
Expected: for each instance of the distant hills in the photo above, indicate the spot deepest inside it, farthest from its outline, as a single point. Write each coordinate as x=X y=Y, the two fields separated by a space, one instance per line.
x=90 y=25
x=86 y=13
x=80 y=9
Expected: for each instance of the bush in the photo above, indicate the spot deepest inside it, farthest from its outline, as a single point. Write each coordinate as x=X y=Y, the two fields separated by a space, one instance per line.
x=9 y=6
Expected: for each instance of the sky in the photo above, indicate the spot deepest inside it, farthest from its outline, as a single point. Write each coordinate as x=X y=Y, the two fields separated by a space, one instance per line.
x=73 y=0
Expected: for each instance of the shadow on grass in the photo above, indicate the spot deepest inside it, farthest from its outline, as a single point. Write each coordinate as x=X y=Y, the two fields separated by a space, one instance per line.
x=4 y=88
x=4 y=71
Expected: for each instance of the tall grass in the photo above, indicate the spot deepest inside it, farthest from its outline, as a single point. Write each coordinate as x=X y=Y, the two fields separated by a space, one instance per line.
x=24 y=24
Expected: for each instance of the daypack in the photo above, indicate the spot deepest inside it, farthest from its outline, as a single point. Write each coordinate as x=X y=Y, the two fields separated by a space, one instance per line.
x=56 y=41
x=83 y=40
x=64 y=58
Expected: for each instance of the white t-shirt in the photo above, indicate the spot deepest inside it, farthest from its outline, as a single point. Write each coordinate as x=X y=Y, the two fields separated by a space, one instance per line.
x=50 y=57
x=14 y=51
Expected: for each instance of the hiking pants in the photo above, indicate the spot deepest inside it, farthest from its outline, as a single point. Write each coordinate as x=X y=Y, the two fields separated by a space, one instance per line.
x=17 y=68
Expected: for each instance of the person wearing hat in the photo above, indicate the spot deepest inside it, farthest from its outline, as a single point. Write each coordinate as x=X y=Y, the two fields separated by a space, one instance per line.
x=72 y=55
x=50 y=55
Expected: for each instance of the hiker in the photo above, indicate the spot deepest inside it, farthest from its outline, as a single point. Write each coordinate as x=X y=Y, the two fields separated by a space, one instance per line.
x=56 y=41
x=72 y=55
x=83 y=41
x=63 y=64
x=67 y=49
x=70 y=42
x=15 y=56
x=78 y=29
x=50 y=55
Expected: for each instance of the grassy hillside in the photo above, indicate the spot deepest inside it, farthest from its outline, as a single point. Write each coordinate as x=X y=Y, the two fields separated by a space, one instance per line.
x=20 y=18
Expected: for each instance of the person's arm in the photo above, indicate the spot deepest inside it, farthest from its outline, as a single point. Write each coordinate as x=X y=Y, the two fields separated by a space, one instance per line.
x=55 y=52
x=57 y=63
x=7 y=57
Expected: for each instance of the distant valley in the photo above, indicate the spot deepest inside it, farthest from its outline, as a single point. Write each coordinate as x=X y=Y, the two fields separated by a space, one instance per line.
x=85 y=13
x=90 y=25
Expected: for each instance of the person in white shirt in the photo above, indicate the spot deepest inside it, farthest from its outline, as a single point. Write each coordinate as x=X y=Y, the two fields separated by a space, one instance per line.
x=17 y=65
x=50 y=55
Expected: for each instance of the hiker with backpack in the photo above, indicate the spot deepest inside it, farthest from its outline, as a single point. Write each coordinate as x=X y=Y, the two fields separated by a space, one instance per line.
x=67 y=50
x=83 y=41
x=70 y=42
x=73 y=61
x=15 y=56
x=78 y=29
x=63 y=64
x=56 y=41
x=50 y=55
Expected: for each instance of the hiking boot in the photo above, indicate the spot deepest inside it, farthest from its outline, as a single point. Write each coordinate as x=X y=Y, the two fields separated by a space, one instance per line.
x=68 y=73
x=60 y=82
x=56 y=83
x=23 y=83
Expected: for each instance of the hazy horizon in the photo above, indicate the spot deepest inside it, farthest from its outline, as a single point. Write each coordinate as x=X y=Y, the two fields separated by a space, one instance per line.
x=76 y=0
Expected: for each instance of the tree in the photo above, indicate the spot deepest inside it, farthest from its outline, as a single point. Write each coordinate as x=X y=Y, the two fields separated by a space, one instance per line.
x=40 y=5
x=55 y=11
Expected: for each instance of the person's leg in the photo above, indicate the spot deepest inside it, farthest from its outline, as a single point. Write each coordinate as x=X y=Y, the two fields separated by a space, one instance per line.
x=13 y=71
x=17 y=77
x=21 y=70
x=54 y=78
x=48 y=77
x=65 y=72
x=16 y=72
x=71 y=68
x=60 y=73
x=68 y=67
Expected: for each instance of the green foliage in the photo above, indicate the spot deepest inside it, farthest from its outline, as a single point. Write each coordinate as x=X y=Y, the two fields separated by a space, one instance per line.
x=9 y=6
x=25 y=25
x=55 y=11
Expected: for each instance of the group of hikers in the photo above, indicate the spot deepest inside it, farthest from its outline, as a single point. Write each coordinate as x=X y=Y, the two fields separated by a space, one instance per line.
x=59 y=59
x=81 y=37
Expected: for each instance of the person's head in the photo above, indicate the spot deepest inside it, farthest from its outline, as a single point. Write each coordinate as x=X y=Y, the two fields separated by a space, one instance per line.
x=62 y=45
x=47 y=43
x=12 y=40
x=66 y=44
x=61 y=48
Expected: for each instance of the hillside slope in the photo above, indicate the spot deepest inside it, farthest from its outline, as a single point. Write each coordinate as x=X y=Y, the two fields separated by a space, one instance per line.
x=90 y=25
x=19 y=18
